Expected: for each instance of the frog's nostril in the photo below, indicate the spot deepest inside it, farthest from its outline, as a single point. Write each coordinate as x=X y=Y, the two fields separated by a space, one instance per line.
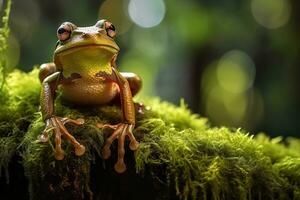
x=101 y=31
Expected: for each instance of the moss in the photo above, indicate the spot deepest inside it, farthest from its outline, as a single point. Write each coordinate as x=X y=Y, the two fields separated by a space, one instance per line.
x=180 y=155
x=19 y=105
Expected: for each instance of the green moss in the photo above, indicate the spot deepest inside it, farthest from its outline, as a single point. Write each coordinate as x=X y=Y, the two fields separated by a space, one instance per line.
x=183 y=155
x=277 y=149
x=19 y=105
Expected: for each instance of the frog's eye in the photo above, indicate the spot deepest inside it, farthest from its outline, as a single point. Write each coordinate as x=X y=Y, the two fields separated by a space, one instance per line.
x=64 y=31
x=100 y=23
x=110 y=29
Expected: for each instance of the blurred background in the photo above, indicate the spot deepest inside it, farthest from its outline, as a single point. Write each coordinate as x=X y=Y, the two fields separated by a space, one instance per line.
x=234 y=62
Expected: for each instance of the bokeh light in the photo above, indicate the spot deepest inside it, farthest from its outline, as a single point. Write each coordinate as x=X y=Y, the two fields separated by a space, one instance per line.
x=115 y=11
x=228 y=94
x=236 y=106
x=236 y=71
x=226 y=108
x=146 y=13
x=271 y=13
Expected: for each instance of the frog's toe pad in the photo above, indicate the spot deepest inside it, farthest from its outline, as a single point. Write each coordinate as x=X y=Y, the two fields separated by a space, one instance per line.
x=59 y=154
x=80 y=121
x=79 y=150
x=134 y=145
x=120 y=167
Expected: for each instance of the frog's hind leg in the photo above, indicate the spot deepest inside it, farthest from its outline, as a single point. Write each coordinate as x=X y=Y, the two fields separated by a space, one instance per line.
x=135 y=84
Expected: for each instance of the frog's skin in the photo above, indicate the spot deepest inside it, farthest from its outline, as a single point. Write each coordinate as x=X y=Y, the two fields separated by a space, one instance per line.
x=85 y=70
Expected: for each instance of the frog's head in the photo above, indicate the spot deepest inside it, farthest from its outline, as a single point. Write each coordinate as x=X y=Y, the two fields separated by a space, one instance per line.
x=83 y=46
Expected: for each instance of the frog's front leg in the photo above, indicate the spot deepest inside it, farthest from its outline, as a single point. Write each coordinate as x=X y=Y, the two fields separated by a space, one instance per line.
x=124 y=128
x=50 y=80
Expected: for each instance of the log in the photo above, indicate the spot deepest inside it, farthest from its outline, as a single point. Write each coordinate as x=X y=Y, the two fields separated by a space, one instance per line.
x=180 y=155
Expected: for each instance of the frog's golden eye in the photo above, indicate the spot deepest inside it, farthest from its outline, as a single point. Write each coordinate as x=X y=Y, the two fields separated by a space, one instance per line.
x=64 y=31
x=110 y=29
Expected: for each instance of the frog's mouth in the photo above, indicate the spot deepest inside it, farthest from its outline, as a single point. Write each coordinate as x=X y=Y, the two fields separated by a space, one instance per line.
x=78 y=47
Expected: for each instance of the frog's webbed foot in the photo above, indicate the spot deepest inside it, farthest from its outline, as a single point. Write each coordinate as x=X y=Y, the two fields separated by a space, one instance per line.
x=57 y=124
x=121 y=130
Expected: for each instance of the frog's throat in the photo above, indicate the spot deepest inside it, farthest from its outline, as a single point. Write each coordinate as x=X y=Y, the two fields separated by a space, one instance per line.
x=86 y=61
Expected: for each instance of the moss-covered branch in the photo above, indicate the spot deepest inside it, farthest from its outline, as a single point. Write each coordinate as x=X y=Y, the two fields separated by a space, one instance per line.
x=180 y=156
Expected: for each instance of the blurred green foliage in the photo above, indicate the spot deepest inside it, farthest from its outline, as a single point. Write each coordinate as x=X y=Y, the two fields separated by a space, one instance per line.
x=234 y=62
x=4 y=34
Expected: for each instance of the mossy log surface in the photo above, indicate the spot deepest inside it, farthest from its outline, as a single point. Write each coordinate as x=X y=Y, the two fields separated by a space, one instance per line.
x=180 y=155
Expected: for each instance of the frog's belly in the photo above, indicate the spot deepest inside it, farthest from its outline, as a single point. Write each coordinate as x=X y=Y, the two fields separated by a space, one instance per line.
x=89 y=91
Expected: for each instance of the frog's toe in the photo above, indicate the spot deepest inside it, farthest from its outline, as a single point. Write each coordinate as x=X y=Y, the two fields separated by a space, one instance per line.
x=59 y=154
x=79 y=150
x=106 y=152
x=120 y=166
x=77 y=122
x=103 y=126
x=134 y=145
x=80 y=121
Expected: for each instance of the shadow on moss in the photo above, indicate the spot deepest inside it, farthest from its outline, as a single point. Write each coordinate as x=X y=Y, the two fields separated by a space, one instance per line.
x=180 y=156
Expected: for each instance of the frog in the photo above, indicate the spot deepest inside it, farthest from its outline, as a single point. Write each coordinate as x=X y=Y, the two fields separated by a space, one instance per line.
x=84 y=70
